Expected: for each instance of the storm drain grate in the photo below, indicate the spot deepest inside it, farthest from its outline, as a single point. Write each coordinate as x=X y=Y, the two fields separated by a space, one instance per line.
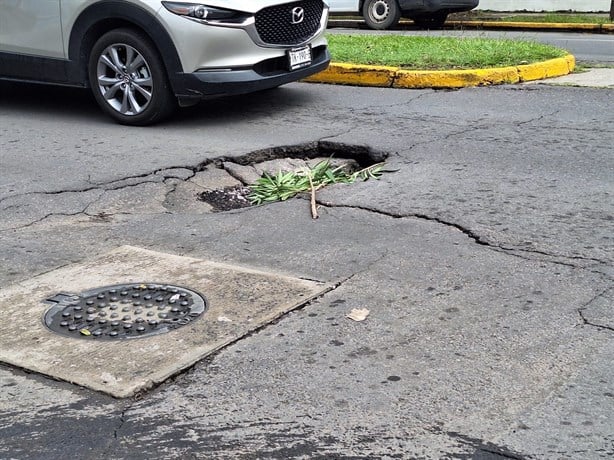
x=123 y=311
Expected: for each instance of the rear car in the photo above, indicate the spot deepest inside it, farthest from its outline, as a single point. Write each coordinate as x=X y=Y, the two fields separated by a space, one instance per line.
x=384 y=14
x=142 y=58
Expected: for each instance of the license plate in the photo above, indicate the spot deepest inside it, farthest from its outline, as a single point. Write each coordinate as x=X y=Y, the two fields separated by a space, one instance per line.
x=299 y=57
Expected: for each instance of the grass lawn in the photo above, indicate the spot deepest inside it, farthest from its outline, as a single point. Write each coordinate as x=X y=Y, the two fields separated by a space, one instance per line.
x=437 y=53
x=558 y=18
x=569 y=18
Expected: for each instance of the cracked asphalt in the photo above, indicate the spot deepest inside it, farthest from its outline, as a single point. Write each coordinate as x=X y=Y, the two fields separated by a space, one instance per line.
x=485 y=261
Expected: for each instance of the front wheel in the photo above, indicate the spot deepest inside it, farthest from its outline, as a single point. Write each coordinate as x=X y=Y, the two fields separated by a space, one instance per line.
x=381 y=14
x=128 y=78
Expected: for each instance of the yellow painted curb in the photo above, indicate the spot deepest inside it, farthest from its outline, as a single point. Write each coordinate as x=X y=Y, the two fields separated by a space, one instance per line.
x=455 y=78
x=554 y=26
x=353 y=74
x=395 y=77
x=608 y=28
x=548 y=69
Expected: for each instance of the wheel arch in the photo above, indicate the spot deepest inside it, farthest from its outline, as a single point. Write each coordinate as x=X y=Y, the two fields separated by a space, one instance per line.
x=104 y=16
x=361 y=3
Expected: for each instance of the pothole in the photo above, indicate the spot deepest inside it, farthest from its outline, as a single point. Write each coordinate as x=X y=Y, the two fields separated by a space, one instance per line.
x=286 y=167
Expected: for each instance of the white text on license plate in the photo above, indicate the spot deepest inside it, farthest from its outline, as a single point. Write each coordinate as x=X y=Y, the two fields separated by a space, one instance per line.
x=299 y=57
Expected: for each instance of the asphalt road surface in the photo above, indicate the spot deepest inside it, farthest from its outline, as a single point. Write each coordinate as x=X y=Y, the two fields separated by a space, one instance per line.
x=484 y=256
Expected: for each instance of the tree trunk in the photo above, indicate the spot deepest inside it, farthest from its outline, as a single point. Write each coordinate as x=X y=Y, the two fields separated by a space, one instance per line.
x=612 y=11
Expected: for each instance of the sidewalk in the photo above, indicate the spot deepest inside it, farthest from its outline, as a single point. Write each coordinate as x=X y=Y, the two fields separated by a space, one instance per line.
x=592 y=78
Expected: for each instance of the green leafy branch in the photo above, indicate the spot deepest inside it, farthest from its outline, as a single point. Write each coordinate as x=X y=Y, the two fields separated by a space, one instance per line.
x=285 y=185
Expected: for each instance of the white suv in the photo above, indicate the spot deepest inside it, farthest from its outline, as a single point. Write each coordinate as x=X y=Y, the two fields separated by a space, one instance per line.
x=142 y=57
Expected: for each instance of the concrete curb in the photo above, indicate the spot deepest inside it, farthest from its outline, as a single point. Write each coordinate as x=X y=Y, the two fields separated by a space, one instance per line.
x=501 y=25
x=395 y=77
x=567 y=26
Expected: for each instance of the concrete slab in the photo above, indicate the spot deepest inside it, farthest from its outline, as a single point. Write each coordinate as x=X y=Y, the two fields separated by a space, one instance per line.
x=240 y=300
x=595 y=78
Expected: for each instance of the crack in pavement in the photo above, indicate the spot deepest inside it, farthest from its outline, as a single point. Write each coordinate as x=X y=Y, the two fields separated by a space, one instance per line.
x=478 y=239
x=322 y=146
x=108 y=186
x=492 y=450
x=465 y=131
x=38 y=221
x=583 y=317
x=539 y=118
x=474 y=236
x=380 y=108
x=362 y=154
x=122 y=421
x=103 y=188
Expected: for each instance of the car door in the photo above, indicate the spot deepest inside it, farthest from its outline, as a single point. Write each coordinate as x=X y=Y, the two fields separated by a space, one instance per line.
x=31 y=27
x=343 y=6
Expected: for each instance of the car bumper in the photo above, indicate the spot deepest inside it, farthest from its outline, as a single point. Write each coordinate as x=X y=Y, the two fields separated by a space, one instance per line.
x=191 y=87
x=450 y=5
x=433 y=6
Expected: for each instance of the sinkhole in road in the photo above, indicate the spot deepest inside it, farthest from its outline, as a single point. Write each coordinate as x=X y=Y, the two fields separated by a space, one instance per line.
x=301 y=165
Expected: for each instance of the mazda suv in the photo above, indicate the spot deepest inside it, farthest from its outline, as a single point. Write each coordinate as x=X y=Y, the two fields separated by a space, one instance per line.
x=142 y=58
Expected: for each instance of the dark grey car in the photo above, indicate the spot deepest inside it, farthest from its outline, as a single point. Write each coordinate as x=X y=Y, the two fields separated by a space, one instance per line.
x=383 y=14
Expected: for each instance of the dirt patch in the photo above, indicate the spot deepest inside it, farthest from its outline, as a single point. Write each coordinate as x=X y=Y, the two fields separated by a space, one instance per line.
x=227 y=198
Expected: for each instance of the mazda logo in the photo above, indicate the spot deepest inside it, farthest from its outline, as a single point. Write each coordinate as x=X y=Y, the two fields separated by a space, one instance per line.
x=298 y=14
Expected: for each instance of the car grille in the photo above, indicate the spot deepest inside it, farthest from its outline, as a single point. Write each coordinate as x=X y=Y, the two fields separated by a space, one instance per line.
x=281 y=24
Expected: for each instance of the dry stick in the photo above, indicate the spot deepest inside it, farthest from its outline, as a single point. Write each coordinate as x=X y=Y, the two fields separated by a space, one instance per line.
x=312 y=189
x=314 y=207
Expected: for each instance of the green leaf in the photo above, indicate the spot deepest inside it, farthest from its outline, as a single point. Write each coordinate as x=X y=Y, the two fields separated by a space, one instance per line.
x=284 y=185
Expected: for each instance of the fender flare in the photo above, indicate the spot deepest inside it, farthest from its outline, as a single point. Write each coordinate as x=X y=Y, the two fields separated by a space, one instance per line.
x=106 y=15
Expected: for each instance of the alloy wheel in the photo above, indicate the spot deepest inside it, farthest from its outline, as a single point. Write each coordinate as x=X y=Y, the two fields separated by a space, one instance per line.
x=124 y=79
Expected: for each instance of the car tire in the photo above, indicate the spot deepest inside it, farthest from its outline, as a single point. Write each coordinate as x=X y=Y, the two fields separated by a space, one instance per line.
x=381 y=14
x=128 y=78
x=431 y=21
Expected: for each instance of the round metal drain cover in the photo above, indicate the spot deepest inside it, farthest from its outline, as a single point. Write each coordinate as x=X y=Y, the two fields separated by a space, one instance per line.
x=124 y=311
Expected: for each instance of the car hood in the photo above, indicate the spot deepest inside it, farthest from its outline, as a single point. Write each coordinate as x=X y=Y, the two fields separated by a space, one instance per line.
x=241 y=5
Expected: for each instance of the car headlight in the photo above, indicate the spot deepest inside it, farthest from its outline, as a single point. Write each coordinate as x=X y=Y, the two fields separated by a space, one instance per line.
x=205 y=13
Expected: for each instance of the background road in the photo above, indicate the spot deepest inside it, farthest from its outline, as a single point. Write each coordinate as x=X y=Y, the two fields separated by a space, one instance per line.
x=485 y=261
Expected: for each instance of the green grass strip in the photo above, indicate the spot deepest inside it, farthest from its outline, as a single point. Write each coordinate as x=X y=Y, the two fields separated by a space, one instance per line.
x=437 y=53
x=557 y=18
